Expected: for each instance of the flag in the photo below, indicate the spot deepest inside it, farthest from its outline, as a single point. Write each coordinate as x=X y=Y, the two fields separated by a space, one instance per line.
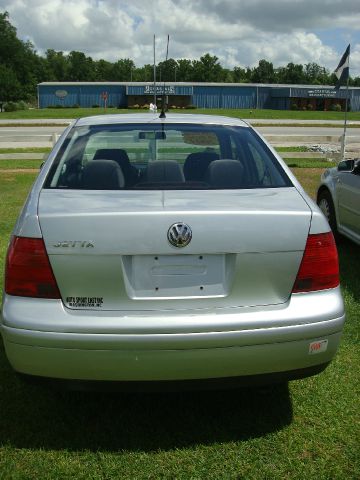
x=342 y=70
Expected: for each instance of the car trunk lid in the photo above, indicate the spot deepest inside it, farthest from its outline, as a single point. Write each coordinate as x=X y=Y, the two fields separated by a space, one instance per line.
x=110 y=250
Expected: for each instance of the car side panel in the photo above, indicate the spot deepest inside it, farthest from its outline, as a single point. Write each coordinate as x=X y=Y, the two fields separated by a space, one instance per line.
x=348 y=200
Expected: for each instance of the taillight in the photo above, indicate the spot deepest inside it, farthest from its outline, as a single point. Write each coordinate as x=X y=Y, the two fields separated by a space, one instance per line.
x=319 y=267
x=28 y=271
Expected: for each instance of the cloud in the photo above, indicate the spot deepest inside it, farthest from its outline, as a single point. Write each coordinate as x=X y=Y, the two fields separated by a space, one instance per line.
x=238 y=33
x=283 y=15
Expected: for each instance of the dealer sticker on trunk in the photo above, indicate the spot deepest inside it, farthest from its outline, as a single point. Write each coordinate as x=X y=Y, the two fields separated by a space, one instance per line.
x=85 y=302
x=318 y=347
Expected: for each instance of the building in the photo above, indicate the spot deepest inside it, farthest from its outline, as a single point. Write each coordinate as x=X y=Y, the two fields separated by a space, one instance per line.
x=200 y=95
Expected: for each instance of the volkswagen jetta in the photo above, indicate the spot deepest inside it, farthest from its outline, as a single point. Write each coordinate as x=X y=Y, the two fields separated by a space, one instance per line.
x=169 y=249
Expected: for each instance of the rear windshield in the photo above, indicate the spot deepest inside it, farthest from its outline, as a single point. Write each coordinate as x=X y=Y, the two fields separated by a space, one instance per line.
x=173 y=156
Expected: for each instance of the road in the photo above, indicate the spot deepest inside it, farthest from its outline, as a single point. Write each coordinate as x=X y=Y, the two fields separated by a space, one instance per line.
x=41 y=135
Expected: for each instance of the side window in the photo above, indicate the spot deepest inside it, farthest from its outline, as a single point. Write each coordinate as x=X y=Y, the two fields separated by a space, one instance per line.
x=267 y=173
x=262 y=171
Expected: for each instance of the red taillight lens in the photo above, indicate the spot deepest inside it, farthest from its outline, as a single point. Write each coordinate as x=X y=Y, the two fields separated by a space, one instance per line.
x=319 y=267
x=28 y=272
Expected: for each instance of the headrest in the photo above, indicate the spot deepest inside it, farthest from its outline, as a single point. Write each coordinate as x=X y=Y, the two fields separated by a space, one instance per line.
x=102 y=175
x=116 y=154
x=197 y=163
x=225 y=174
x=164 y=171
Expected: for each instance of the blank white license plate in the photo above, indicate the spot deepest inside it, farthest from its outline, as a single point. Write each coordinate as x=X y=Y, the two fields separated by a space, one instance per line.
x=178 y=276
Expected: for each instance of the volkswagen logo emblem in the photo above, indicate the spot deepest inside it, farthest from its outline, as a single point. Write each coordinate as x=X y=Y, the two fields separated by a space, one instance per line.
x=179 y=234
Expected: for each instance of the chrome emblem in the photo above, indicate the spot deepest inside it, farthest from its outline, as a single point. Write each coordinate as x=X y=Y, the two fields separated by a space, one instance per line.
x=179 y=235
x=74 y=244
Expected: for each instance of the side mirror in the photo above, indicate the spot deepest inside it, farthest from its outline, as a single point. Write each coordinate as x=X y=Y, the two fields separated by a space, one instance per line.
x=356 y=168
x=346 y=166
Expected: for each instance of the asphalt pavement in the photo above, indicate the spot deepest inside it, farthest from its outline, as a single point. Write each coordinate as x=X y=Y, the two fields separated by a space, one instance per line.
x=38 y=132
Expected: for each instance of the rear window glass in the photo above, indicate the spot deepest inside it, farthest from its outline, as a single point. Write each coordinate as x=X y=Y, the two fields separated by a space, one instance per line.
x=164 y=156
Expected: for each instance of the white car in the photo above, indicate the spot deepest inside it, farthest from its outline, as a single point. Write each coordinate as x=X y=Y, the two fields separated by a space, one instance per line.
x=339 y=198
x=172 y=249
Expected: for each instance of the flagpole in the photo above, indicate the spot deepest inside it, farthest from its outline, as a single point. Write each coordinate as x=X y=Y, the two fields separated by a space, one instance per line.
x=154 y=75
x=342 y=70
x=343 y=143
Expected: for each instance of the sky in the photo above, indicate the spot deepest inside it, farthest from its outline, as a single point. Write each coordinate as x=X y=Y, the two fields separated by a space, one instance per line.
x=238 y=32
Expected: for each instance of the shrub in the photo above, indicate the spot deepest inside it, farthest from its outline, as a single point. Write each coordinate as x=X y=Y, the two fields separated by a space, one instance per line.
x=335 y=107
x=10 y=107
x=76 y=105
x=310 y=106
x=22 y=105
x=294 y=106
x=190 y=107
x=59 y=106
x=95 y=105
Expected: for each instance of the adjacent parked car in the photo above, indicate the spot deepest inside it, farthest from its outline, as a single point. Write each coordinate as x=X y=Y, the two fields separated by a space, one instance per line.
x=169 y=249
x=339 y=198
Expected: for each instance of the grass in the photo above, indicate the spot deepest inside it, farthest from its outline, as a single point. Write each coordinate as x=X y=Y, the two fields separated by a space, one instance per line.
x=308 y=163
x=26 y=150
x=11 y=164
x=309 y=178
x=243 y=113
x=306 y=429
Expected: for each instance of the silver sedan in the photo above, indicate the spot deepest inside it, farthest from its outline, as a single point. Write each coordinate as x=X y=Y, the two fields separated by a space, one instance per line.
x=339 y=198
x=169 y=250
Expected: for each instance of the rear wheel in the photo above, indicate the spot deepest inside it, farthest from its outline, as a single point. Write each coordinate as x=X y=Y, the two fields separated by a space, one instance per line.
x=326 y=205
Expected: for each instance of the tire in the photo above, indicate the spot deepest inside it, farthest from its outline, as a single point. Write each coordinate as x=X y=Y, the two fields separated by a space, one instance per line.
x=326 y=205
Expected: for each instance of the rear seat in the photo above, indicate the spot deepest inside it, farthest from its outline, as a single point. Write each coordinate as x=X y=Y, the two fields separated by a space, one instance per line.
x=102 y=175
x=225 y=174
x=131 y=174
x=164 y=172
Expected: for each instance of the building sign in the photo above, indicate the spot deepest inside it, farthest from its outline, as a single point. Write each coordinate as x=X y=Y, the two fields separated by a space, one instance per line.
x=149 y=90
x=61 y=93
x=323 y=93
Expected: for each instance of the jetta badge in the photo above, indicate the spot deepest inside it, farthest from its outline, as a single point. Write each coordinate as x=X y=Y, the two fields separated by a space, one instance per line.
x=179 y=235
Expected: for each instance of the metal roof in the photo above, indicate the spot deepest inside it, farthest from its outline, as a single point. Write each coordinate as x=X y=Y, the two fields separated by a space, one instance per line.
x=195 y=84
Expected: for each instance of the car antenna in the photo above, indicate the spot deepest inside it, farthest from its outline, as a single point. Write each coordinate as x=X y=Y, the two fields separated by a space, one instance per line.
x=162 y=114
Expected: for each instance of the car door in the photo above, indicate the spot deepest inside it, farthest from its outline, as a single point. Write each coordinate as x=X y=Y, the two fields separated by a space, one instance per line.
x=348 y=197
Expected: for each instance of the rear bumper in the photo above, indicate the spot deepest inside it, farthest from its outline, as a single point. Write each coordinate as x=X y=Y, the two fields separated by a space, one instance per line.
x=231 y=343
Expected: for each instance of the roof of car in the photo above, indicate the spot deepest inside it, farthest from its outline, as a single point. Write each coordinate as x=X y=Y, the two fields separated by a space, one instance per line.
x=150 y=117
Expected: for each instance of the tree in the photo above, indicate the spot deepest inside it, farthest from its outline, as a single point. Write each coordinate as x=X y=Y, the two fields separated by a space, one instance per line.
x=316 y=75
x=10 y=45
x=10 y=87
x=240 y=75
x=123 y=70
x=103 y=71
x=57 y=66
x=292 y=73
x=21 y=61
x=263 y=73
x=207 y=69
x=184 y=70
x=167 y=70
x=81 y=67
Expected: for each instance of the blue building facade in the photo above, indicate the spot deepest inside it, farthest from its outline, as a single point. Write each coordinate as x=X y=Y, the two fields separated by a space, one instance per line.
x=201 y=95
